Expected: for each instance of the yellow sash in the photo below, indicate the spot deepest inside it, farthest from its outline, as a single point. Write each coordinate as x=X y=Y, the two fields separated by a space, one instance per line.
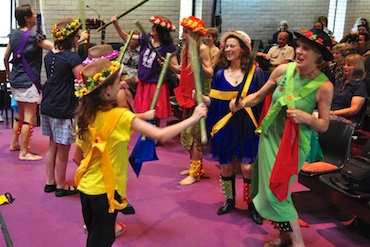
x=216 y=94
x=99 y=144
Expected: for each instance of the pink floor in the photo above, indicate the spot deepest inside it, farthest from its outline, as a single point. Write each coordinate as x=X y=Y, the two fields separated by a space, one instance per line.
x=167 y=214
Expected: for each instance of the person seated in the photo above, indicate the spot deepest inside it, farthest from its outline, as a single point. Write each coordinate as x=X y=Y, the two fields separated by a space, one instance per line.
x=324 y=21
x=350 y=92
x=362 y=28
x=359 y=21
x=319 y=25
x=280 y=53
x=283 y=27
x=129 y=74
x=340 y=51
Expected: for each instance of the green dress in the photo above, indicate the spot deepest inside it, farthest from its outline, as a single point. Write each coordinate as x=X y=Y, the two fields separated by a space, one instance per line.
x=267 y=205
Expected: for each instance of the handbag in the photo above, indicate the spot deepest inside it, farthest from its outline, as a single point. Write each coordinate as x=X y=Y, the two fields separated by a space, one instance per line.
x=356 y=172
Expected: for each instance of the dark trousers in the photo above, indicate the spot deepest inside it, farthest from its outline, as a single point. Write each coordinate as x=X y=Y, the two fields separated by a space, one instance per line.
x=99 y=222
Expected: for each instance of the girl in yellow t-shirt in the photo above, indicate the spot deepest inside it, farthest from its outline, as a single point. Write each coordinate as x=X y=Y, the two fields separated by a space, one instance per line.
x=103 y=134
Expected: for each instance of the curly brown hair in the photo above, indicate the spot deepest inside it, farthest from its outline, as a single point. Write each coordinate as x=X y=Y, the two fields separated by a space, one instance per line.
x=224 y=63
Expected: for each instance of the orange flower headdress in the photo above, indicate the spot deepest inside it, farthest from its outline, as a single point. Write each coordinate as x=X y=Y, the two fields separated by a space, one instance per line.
x=195 y=24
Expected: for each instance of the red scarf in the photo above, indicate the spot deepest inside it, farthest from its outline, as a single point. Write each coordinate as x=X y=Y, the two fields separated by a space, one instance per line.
x=286 y=161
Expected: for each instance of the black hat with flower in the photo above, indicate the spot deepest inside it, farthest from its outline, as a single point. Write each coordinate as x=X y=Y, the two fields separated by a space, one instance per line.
x=95 y=75
x=317 y=40
x=64 y=28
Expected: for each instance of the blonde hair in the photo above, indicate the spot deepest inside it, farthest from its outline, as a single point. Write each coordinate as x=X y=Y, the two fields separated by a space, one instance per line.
x=185 y=48
x=283 y=22
x=358 y=62
x=343 y=48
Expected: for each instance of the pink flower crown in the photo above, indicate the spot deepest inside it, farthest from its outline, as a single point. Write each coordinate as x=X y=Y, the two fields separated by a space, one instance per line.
x=110 y=56
x=162 y=22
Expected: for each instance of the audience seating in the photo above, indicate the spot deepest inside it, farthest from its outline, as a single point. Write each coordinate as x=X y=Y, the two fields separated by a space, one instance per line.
x=336 y=145
x=320 y=184
x=5 y=97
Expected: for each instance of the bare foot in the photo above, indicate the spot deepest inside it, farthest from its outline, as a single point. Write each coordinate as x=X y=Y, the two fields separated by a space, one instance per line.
x=188 y=180
x=15 y=147
x=184 y=172
x=30 y=156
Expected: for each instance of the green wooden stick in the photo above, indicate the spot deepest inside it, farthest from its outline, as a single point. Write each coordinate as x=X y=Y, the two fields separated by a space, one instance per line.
x=159 y=84
x=125 y=46
x=160 y=81
x=123 y=14
x=194 y=54
x=82 y=14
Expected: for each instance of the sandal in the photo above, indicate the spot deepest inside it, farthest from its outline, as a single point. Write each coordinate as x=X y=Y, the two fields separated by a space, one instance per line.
x=68 y=192
x=50 y=188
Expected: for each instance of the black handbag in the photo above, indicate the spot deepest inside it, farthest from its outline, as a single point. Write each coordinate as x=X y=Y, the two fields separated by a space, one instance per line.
x=355 y=174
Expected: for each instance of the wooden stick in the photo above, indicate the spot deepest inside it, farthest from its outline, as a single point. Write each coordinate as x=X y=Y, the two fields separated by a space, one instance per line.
x=247 y=69
x=159 y=84
x=194 y=54
x=123 y=14
x=141 y=29
x=82 y=14
x=124 y=48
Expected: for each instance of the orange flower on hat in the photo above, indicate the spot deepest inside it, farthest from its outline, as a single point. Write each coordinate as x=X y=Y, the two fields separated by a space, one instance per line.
x=195 y=24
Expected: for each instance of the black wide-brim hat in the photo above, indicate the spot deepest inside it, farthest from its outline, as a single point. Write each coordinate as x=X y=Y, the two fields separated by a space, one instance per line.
x=317 y=40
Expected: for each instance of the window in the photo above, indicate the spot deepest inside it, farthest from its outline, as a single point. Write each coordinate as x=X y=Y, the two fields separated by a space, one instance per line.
x=8 y=19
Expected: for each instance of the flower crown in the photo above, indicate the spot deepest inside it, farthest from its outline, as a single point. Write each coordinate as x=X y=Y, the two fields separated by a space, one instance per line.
x=61 y=34
x=194 y=24
x=83 y=88
x=312 y=36
x=158 y=20
x=109 y=56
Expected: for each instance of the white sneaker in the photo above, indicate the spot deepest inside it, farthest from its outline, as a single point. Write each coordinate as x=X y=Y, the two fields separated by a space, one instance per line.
x=1 y=118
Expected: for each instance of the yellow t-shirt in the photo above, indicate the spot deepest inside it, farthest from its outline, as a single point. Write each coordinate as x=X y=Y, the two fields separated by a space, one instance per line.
x=92 y=182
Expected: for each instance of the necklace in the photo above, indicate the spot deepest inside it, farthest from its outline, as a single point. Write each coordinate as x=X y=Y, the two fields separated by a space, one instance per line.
x=234 y=76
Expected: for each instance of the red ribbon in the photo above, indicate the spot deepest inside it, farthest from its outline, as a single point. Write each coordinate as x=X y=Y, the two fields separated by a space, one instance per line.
x=286 y=163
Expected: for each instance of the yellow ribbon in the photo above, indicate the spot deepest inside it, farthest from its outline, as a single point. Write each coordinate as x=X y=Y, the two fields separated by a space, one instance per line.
x=99 y=145
x=216 y=94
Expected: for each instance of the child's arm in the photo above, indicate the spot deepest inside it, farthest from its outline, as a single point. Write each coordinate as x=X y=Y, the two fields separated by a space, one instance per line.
x=166 y=133
x=78 y=156
x=148 y=115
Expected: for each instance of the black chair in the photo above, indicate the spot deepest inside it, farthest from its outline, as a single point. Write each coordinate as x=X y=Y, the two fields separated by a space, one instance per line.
x=82 y=52
x=5 y=97
x=336 y=145
x=328 y=178
x=260 y=47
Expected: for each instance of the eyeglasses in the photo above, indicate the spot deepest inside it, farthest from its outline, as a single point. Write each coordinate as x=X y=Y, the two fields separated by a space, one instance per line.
x=231 y=46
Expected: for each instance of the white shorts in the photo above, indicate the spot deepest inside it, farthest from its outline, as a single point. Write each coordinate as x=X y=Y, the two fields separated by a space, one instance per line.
x=29 y=95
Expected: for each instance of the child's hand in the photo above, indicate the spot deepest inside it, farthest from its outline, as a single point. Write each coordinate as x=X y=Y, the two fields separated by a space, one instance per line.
x=200 y=111
x=148 y=115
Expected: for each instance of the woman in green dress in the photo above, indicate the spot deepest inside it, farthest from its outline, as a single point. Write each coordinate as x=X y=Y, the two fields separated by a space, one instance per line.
x=297 y=88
